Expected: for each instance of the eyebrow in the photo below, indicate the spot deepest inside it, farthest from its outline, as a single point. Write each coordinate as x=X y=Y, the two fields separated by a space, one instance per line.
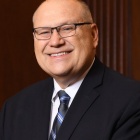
x=60 y=24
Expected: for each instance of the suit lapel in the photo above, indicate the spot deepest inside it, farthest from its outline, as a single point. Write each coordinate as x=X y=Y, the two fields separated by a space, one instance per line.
x=44 y=108
x=50 y=89
x=85 y=96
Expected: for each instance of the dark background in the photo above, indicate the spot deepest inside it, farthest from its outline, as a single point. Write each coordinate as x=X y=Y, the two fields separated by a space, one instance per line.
x=119 y=46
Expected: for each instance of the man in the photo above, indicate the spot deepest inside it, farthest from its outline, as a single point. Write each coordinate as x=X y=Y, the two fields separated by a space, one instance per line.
x=101 y=104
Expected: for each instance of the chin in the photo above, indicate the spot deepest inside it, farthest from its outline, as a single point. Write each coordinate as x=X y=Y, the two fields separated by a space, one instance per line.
x=59 y=74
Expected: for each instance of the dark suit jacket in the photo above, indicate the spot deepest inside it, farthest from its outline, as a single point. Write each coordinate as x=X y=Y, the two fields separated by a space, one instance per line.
x=106 y=107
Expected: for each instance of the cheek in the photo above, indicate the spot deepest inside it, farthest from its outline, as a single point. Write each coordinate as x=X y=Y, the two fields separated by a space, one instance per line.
x=41 y=59
x=37 y=53
x=39 y=46
x=36 y=45
x=86 y=50
x=38 y=49
x=84 y=46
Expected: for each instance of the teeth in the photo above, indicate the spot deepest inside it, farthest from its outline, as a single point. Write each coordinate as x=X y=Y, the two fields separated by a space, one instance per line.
x=59 y=54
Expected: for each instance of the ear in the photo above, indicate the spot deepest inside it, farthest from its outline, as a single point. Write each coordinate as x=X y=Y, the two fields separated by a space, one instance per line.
x=94 y=34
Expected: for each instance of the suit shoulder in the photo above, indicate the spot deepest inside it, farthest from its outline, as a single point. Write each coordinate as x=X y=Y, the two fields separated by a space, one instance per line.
x=119 y=81
x=38 y=85
x=33 y=91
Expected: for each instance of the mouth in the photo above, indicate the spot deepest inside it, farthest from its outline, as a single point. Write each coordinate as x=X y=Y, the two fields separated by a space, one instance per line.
x=59 y=54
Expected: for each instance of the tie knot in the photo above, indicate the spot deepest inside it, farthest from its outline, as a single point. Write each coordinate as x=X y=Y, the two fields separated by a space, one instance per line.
x=63 y=97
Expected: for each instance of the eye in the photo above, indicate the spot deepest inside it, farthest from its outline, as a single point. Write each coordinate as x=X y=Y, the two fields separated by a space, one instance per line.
x=43 y=32
x=68 y=28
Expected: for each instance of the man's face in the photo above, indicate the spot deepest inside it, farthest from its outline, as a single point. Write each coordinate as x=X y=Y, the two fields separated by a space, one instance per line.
x=65 y=58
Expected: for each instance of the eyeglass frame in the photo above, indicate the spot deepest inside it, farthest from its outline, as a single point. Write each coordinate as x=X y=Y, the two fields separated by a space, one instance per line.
x=53 y=28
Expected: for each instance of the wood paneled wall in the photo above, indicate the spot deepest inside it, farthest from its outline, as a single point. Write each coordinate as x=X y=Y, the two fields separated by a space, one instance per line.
x=113 y=20
x=119 y=45
x=135 y=53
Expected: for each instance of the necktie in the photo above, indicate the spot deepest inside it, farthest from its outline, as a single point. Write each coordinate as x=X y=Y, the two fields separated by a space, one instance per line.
x=64 y=101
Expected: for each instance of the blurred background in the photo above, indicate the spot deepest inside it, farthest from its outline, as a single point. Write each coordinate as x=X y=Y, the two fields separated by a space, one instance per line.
x=119 y=45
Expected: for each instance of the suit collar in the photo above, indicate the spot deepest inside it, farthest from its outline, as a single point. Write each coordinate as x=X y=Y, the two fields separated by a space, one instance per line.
x=86 y=96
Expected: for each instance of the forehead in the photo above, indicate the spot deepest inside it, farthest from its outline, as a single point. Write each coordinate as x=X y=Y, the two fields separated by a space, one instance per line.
x=56 y=12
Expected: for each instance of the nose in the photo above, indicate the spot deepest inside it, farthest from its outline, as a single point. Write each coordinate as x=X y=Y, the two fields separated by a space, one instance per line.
x=56 y=40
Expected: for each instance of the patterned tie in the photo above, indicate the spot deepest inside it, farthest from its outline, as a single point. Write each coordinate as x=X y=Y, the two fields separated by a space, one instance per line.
x=64 y=101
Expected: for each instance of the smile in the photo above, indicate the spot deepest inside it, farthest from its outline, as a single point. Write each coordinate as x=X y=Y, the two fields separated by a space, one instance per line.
x=59 y=54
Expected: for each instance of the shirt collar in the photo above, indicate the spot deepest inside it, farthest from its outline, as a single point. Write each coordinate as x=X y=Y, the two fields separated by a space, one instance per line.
x=70 y=90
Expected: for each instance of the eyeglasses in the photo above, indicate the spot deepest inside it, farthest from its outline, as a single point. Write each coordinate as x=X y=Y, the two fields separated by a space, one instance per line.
x=44 y=33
